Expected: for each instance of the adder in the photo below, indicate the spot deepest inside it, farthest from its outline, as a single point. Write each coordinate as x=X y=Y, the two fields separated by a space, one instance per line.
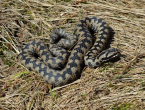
x=55 y=65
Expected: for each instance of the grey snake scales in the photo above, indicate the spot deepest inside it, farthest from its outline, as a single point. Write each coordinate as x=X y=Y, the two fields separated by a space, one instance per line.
x=55 y=65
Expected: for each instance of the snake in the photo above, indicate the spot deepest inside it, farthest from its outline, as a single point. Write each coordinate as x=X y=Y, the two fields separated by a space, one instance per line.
x=59 y=67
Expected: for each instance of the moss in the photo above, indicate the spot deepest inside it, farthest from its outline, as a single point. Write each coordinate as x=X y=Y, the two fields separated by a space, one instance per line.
x=57 y=1
x=66 y=0
x=142 y=86
x=123 y=106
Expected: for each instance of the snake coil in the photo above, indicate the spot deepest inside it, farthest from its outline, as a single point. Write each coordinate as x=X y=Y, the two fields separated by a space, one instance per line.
x=51 y=63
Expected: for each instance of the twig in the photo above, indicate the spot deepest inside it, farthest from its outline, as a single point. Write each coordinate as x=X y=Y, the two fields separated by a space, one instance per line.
x=135 y=58
x=10 y=44
x=58 y=88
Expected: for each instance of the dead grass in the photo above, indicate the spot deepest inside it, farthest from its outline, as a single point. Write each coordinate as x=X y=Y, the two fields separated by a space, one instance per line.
x=117 y=86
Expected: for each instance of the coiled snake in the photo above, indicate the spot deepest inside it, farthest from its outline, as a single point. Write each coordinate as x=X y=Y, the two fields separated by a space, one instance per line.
x=53 y=68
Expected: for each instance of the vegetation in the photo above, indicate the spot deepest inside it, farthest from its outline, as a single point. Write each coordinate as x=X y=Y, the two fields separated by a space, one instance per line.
x=116 y=85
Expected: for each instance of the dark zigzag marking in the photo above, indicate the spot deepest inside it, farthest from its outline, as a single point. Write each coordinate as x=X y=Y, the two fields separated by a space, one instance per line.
x=78 y=49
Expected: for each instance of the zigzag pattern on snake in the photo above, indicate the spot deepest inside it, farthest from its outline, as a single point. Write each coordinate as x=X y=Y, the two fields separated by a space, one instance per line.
x=53 y=68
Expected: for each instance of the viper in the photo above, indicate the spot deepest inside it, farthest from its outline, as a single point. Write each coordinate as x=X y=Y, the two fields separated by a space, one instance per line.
x=56 y=65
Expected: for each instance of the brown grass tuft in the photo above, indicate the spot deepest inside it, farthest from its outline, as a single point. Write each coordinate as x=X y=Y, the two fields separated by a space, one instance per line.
x=117 y=86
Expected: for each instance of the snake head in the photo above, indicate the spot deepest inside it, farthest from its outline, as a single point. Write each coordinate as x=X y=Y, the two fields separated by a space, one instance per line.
x=104 y=56
x=109 y=54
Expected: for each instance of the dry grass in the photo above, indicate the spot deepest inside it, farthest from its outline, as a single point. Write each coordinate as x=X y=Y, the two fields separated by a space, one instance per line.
x=117 y=86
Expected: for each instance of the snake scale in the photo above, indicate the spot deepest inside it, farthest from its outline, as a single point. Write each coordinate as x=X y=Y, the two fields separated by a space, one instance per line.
x=53 y=68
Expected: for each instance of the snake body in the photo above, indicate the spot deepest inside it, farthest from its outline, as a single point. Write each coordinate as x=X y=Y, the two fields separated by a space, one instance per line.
x=81 y=54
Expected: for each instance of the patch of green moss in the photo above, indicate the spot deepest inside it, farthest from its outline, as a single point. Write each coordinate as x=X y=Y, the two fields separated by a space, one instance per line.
x=66 y=0
x=57 y=1
x=5 y=5
x=6 y=57
x=7 y=62
x=31 y=17
x=106 y=67
x=27 y=11
x=143 y=86
x=11 y=3
x=123 y=106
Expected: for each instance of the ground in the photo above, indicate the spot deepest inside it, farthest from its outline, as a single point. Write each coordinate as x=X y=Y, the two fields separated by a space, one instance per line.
x=116 y=85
